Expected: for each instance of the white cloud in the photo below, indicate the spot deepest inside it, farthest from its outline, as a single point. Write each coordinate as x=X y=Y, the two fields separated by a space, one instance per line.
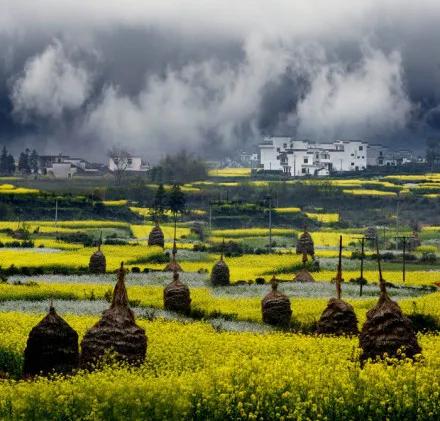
x=367 y=98
x=50 y=84
x=186 y=105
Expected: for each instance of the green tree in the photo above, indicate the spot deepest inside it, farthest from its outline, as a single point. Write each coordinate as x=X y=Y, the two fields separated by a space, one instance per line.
x=11 y=165
x=33 y=162
x=160 y=202
x=23 y=162
x=433 y=152
x=176 y=203
x=182 y=166
x=4 y=162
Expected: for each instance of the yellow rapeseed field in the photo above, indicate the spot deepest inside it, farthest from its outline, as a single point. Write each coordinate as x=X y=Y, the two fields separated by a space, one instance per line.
x=230 y=172
x=192 y=371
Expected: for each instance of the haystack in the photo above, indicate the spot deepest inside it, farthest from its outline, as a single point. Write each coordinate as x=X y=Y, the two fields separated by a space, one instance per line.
x=97 y=263
x=387 y=331
x=197 y=228
x=305 y=245
x=52 y=346
x=173 y=266
x=275 y=307
x=156 y=237
x=116 y=331
x=176 y=296
x=220 y=273
x=338 y=318
x=303 y=276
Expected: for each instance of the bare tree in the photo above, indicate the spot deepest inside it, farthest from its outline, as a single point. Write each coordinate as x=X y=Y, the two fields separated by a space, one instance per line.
x=120 y=158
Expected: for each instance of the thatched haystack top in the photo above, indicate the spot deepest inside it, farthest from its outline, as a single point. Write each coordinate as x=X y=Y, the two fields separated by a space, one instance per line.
x=173 y=266
x=52 y=346
x=97 y=263
x=275 y=307
x=198 y=229
x=156 y=237
x=305 y=244
x=338 y=318
x=387 y=331
x=176 y=296
x=175 y=283
x=274 y=293
x=303 y=276
x=220 y=275
x=116 y=330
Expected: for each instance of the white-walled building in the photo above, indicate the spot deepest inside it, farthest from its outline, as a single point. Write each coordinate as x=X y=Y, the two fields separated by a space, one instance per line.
x=301 y=158
x=382 y=156
x=129 y=164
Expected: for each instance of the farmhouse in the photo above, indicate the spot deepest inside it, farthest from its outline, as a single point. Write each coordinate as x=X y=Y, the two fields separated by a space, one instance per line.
x=128 y=164
x=64 y=167
x=303 y=157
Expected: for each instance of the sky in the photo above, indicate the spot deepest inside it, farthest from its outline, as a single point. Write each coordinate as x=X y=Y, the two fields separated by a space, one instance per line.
x=213 y=77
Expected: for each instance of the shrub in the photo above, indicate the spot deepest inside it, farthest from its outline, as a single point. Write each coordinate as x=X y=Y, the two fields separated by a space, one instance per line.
x=152 y=258
x=429 y=258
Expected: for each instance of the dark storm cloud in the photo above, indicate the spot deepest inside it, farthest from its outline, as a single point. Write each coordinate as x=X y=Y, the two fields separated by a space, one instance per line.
x=212 y=76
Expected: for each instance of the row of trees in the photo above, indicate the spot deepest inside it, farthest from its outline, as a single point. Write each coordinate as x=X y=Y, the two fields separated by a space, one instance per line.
x=174 y=201
x=182 y=167
x=27 y=162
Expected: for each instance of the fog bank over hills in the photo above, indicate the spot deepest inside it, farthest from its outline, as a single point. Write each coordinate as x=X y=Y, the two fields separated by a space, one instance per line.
x=214 y=76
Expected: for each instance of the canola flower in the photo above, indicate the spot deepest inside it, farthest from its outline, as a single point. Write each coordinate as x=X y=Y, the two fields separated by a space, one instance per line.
x=115 y=202
x=11 y=189
x=230 y=172
x=288 y=210
x=194 y=372
x=241 y=304
x=252 y=232
x=325 y=218
x=142 y=231
x=74 y=258
x=67 y=226
x=368 y=192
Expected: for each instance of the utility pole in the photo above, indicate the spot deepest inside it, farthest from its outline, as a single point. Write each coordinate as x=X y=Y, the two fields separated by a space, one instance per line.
x=404 y=238
x=361 y=279
x=397 y=220
x=269 y=198
x=56 y=218
x=339 y=274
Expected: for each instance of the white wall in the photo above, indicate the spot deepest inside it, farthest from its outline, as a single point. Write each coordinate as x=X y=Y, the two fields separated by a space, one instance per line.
x=339 y=155
x=61 y=170
x=133 y=164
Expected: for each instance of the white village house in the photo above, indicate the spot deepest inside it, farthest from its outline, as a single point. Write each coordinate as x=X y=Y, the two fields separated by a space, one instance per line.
x=128 y=164
x=64 y=167
x=302 y=158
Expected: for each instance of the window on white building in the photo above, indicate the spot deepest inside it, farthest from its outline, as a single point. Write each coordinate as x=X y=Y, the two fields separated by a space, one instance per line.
x=306 y=160
x=361 y=148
